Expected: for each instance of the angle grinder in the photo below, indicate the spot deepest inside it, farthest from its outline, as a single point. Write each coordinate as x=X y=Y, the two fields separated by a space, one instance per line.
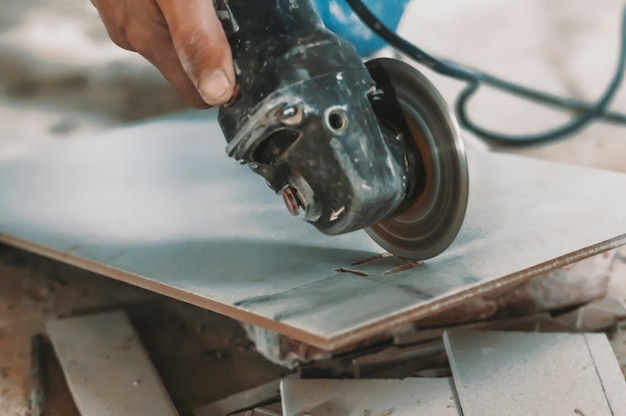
x=349 y=145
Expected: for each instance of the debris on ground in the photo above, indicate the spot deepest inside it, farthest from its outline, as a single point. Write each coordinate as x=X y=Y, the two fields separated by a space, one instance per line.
x=477 y=368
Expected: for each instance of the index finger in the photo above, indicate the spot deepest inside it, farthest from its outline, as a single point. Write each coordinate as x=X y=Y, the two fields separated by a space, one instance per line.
x=201 y=46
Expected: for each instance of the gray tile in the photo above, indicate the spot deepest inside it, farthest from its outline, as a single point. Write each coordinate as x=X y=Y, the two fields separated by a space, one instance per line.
x=521 y=374
x=107 y=368
x=160 y=206
x=408 y=397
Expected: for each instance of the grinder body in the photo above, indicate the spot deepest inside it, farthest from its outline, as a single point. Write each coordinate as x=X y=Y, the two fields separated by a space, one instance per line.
x=353 y=146
x=302 y=117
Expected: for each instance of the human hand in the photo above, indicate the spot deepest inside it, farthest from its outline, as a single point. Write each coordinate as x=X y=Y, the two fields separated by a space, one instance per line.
x=183 y=39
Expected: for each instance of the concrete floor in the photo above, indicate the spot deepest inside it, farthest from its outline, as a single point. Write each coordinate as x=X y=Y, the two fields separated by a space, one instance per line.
x=61 y=78
x=567 y=47
x=194 y=351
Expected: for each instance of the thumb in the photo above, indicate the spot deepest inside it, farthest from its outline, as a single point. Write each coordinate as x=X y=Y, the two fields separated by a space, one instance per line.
x=202 y=47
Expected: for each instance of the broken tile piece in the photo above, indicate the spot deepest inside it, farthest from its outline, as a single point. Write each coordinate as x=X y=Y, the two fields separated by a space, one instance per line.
x=618 y=343
x=408 y=397
x=594 y=316
x=107 y=368
x=521 y=374
x=257 y=396
x=608 y=371
x=274 y=409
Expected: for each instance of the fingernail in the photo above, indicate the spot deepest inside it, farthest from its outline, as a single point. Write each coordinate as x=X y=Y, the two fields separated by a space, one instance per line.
x=214 y=87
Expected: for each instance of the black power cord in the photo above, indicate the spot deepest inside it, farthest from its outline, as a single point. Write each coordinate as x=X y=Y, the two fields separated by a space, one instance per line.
x=586 y=112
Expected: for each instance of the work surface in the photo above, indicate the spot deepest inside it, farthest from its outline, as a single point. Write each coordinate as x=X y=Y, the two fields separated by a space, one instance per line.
x=159 y=205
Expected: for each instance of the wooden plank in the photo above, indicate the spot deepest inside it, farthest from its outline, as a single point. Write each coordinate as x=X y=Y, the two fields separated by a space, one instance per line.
x=405 y=357
x=408 y=397
x=106 y=367
x=508 y=373
x=528 y=323
x=158 y=205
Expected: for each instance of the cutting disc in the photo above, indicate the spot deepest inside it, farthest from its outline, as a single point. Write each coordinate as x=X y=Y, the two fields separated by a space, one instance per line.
x=431 y=215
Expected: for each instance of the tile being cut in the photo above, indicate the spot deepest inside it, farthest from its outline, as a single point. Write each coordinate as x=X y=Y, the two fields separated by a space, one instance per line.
x=160 y=206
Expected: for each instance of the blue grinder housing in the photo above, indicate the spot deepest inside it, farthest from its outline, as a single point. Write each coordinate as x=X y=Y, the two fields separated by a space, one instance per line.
x=339 y=17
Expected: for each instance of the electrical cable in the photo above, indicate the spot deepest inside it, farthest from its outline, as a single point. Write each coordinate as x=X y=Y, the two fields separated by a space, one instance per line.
x=586 y=113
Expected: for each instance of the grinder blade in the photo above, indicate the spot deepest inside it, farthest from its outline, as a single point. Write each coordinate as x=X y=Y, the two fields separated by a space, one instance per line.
x=412 y=110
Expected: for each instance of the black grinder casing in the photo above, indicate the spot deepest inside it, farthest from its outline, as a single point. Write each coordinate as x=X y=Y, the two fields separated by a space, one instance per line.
x=302 y=117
